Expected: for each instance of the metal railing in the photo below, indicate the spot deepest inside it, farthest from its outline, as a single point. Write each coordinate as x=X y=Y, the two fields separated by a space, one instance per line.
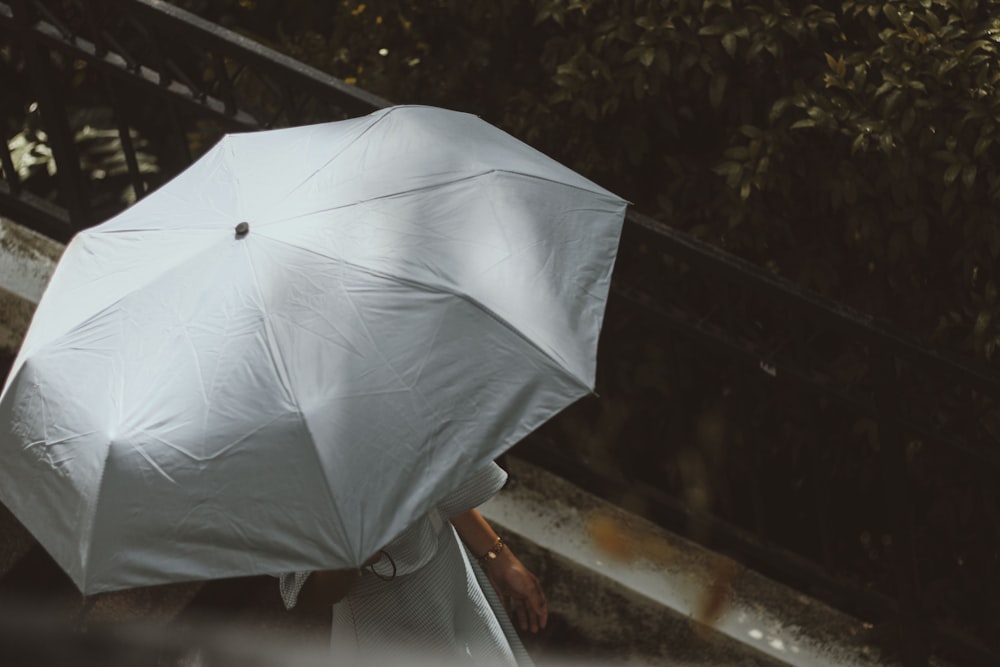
x=193 y=68
x=173 y=75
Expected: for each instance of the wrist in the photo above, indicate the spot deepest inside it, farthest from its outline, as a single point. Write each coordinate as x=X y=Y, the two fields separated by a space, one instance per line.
x=493 y=553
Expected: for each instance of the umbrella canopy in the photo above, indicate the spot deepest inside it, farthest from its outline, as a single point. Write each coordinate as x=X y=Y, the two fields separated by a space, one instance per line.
x=410 y=294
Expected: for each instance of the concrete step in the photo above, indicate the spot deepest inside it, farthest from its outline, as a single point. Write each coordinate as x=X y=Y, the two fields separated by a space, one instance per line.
x=623 y=589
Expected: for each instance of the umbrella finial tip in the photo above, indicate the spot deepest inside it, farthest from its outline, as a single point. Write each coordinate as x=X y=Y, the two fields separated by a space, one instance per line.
x=242 y=229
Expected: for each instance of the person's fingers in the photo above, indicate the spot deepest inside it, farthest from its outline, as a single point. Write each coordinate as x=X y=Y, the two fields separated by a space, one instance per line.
x=522 y=615
x=538 y=604
x=527 y=608
x=538 y=611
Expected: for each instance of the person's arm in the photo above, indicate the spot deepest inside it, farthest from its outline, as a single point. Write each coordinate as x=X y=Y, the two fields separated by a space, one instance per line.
x=519 y=590
x=324 y=588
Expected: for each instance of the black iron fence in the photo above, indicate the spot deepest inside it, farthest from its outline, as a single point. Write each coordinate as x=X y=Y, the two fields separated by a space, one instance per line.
x=838 y=447
x=155 y=68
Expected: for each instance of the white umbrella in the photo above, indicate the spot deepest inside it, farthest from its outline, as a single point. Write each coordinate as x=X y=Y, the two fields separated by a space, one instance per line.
x=412 y=293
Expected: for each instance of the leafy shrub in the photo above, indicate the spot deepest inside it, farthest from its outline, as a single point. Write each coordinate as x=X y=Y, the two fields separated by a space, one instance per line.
x=852 y=149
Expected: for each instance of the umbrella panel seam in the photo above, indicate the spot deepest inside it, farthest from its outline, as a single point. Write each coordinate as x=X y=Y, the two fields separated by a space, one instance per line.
x=285 y=379
x=432 y=186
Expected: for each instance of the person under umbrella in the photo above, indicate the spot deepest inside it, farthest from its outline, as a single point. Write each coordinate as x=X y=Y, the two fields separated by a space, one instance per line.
x=422 y=592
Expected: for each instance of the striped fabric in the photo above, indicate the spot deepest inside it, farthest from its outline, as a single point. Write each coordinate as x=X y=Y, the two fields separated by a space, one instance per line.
x=440 y=603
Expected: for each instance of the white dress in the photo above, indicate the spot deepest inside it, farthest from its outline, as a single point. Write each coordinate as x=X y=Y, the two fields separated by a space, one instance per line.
x=439 y=605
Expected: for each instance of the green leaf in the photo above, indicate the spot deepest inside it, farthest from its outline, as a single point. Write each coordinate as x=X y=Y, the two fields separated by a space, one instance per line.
x=736 y=153
x=805 y=122
x=647 y=56
x=890 y=101
x=730 y=43
x=982 y=144
x=931 y=19
x=886 y=142
x=860 y=143
x=969 y=176
x=990 y=292
x=946 y=67
x=817 y=113
x=836 y=65
x=727 y=168
x=713 y=30
x=883 y=89
x=952 y=172
x=778 y=108
x=892 y=14
x=982 y=322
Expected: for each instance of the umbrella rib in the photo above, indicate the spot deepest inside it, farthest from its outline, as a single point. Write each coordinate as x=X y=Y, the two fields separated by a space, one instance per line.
x=219 y=452
x=373 y=338
x=442 y=184
x=409 y=282
x=95 y=511
x=320 y=168
x=151 y=461
x=281 y=369
x=601 y=192
x=385 y=114
x=68 y=438
x=278 y=362
x=430 y=348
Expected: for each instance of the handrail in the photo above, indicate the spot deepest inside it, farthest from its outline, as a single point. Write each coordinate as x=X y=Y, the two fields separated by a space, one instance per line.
x=853 y=321
x=354 y=100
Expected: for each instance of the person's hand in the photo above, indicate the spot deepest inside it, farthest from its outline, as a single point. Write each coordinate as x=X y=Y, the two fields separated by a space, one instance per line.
x=325 y=588
x=519 y=590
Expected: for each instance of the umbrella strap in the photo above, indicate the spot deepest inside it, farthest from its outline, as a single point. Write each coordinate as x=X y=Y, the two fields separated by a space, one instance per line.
x=371 y=568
